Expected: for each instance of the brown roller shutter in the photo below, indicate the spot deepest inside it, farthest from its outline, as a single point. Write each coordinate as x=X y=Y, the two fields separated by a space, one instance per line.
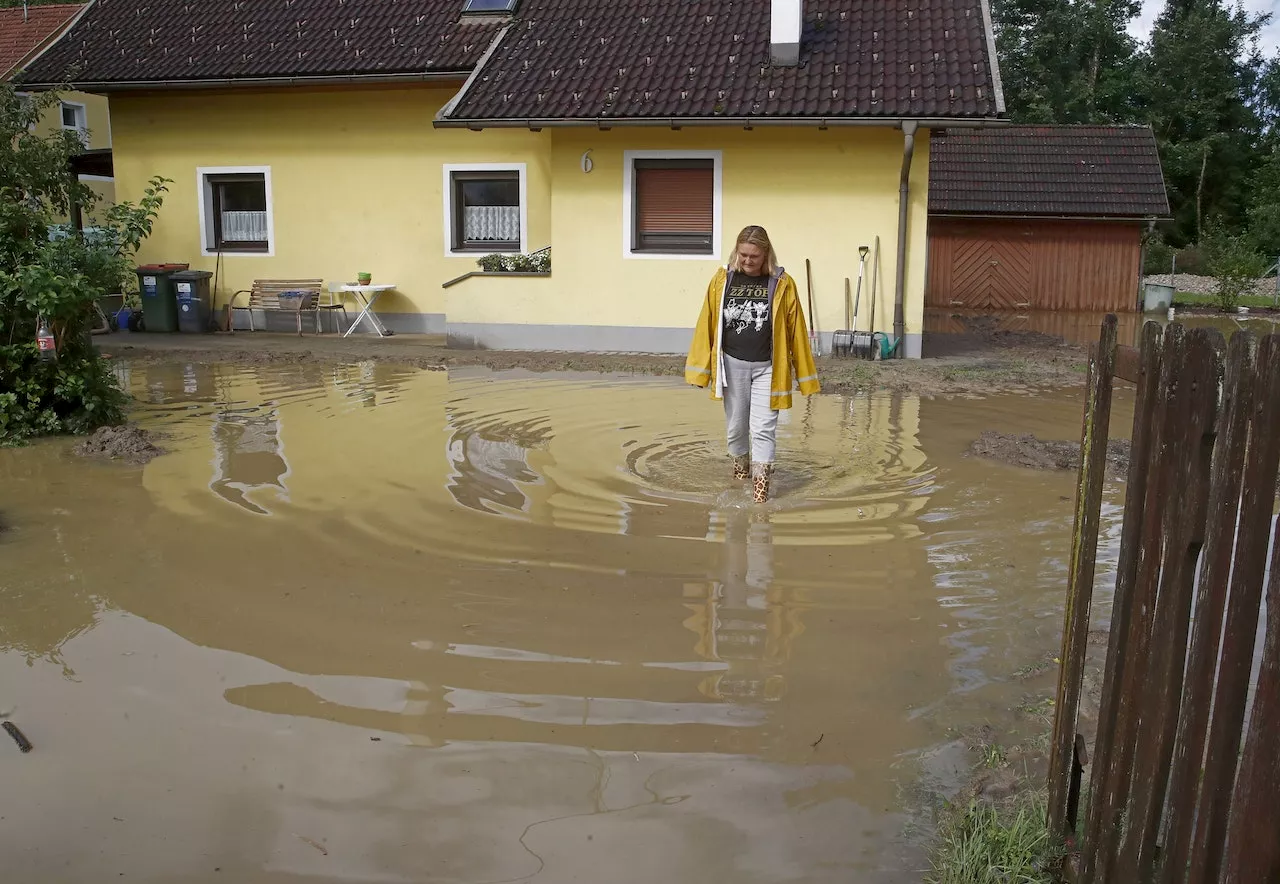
x=675 y=204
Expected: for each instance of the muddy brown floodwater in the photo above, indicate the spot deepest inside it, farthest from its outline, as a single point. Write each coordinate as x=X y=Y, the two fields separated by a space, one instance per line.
x=369 y=623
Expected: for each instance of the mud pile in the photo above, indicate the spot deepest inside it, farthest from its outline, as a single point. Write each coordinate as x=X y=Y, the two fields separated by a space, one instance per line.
x=1025 y=450
x=127 y=442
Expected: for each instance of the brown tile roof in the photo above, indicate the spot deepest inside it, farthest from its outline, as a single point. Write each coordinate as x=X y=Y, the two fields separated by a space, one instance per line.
x=1072 y=171
x=23 y=35
x=710 y=58
x=164 y=41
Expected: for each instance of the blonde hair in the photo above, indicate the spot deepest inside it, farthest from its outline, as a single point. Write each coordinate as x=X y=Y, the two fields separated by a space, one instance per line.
x=757 y=236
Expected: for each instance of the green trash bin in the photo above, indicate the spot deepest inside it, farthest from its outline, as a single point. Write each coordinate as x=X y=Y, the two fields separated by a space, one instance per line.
x=159 y=304
x=194 y=308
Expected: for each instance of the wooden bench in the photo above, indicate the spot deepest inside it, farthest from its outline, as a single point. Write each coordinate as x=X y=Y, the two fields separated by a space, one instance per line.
x=266 y=295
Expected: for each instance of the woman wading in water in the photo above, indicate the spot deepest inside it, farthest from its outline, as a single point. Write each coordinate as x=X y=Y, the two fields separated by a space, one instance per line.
x=750 y=345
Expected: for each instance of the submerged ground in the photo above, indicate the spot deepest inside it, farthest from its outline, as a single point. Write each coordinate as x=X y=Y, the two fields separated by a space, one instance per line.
x=371 y=621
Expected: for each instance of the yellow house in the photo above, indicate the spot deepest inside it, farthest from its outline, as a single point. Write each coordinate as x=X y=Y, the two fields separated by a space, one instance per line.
x=326 y=141
x=24 y=34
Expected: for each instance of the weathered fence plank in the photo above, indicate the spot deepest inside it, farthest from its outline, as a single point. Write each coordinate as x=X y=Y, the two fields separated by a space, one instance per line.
x=1181 y=794
x=1107 y=758
x=1094 y=435
x=1232 y=689
x=1210 y=605
x=1253 y=840
x=1137 y=643
x=1128 y=363
x=1186 y=498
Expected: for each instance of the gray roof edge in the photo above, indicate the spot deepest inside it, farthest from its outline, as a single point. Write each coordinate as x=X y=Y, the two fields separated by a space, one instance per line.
x=988 y=27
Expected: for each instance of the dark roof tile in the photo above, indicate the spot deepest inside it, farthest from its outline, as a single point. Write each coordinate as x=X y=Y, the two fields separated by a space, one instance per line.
x=1095 y=171
x=191 y=40
x=856 y=60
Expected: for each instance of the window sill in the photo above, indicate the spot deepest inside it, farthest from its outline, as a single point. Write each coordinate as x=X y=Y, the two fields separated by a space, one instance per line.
x=516 y=274
x=228 y=253
x=480 y=253
x=670 y=256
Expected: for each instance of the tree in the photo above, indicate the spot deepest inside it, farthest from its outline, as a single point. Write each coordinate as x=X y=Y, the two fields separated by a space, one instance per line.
x=1264 y=205
x=51 y=278
x=1199 y=84
x=1067 y=61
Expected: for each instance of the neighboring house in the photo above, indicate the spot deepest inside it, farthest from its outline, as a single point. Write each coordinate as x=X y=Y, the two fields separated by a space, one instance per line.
x=319 y=139
x=1042 y=217
x=24 y=34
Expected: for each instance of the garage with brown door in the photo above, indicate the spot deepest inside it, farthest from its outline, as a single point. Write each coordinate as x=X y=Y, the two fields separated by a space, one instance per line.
x=1041 y=217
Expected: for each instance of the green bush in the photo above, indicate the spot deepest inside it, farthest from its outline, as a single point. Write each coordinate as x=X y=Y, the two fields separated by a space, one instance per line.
x=1192 y=260
x=1158 y=257
x=1234 y=264
x=53 y=275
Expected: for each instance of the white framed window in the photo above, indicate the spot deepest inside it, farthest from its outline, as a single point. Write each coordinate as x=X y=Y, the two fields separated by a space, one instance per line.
x=672 y=204
x=235 y=210
x=75 y=119
x=486 y=209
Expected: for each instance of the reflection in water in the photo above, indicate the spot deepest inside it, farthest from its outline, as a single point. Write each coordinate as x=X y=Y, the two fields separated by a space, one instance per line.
x=568 y=603
x=248 y=459
x=488 y=464
x=741 y=619
x=1082 y=328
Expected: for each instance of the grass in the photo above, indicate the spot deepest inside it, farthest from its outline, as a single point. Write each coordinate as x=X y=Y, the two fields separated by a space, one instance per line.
x=984 y=843
x=1190 y=299
x=994 y=756
x=1038 y=709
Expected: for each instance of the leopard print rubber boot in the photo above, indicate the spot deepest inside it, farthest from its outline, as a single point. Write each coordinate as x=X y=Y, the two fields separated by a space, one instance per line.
x=761 y=476
x=741 y=467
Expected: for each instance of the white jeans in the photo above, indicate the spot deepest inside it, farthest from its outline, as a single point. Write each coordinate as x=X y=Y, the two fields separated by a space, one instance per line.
x=752 y=424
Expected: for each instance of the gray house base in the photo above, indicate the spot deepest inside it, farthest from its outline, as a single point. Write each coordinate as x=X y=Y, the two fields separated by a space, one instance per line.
x=571 y=338
x=400 y=323
x=598 y=338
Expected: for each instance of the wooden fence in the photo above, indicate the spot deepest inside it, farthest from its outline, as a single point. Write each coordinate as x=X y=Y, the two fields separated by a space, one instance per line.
x=1184 y=779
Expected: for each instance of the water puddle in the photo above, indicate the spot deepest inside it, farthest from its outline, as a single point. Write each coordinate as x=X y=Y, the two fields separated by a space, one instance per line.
x=365 y=623
x=1082 y=327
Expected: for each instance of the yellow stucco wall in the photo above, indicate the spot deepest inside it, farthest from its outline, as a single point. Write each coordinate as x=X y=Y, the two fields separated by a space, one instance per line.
x=356 y=179
x=357 y=184
x=820 y=194
x=98 y=120
x=97 y=115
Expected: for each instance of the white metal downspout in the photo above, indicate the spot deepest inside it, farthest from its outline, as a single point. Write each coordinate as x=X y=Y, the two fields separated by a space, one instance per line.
x=904 y=191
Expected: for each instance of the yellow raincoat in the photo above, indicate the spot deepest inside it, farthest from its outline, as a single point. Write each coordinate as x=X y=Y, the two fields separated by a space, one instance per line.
x=705 y=364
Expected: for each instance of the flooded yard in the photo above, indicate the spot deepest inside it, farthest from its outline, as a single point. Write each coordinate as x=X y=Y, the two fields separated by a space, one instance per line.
x=375 y=623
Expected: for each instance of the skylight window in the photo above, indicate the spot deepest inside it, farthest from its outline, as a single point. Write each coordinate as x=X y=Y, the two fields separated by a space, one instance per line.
x=489 y=5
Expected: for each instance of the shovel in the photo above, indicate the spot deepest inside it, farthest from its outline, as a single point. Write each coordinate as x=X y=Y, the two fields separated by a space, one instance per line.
x=861 y=342
x=849 y=336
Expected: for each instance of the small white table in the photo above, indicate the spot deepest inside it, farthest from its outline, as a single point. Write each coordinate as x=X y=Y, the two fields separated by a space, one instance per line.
x=368 y=295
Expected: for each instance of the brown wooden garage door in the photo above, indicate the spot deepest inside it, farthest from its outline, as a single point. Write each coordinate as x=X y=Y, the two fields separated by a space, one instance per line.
x=991 y=273
x=980 y=264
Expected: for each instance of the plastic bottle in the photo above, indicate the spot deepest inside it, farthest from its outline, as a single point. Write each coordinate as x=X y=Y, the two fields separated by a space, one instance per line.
x=45 y=342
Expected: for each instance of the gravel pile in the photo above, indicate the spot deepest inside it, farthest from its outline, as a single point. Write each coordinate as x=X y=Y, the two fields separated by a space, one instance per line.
x=1207 y=285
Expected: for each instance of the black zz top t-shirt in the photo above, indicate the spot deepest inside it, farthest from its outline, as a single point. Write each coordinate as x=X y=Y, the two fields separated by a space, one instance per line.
x=748 y=323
